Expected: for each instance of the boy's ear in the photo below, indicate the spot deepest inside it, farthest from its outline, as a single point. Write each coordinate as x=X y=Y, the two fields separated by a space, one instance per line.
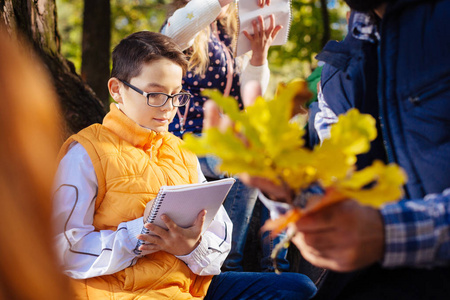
x=114 y=89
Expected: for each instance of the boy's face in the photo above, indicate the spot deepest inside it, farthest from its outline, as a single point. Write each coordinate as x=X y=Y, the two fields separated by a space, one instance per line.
x=163 y=76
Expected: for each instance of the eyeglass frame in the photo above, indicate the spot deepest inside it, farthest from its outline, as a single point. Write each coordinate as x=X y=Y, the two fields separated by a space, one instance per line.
x=145 y=94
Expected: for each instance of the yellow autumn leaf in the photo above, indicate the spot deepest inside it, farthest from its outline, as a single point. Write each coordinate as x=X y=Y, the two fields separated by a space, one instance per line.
x=353 y=133
x=331 y=165
x=374 y=185
x=230 y=107
x=271 y=147
x=271 y=120
x=297 y=93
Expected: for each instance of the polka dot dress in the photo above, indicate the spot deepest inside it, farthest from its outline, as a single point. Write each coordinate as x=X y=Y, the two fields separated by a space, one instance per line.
x=214 y=78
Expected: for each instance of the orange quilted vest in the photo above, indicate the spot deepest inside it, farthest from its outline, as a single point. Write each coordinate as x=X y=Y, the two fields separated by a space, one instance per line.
x=131 y=164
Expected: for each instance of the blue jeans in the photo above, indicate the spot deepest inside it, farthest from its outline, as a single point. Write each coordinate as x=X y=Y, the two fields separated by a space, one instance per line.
x=268 y=244
x=239 y=205
x=261 y=286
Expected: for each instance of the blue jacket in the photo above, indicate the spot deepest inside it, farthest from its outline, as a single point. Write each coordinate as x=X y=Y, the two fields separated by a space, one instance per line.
x=411 y=99
x=349 y=79
x=414 y=92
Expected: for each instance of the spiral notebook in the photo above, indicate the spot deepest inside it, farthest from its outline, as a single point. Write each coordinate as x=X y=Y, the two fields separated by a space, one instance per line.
x=248 y=10
x=182 y=203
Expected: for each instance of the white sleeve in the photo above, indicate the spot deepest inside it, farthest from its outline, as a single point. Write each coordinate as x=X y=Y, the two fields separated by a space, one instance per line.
x=186 y=22
x=208 y=257
x=260 y=74
x=214 y=247
x=83 y=251
x=201 y=176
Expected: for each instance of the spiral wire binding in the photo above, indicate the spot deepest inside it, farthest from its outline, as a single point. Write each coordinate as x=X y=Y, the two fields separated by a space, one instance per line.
x=236 y=33
x=151 y=218
x=288 y=31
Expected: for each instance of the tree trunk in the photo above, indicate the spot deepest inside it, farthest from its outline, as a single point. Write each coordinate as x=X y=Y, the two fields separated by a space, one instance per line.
x=95 y=48
x=326 y=22
x=36 y=20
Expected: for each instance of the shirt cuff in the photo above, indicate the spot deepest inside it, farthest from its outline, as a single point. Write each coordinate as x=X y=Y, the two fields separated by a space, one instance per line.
x=258 y=68
x=257 y=72
x=260 y=74
x=134 y=228
x=197 y=256
x=409 y=237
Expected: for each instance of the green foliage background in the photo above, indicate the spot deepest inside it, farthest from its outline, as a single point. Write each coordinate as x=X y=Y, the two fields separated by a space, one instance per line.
x=293 y=60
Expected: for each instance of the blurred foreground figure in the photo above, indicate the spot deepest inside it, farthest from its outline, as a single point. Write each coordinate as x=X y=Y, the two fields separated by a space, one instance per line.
x=29 y=132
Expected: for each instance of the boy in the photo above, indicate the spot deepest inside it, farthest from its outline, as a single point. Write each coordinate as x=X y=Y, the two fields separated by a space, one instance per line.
x=109 y=172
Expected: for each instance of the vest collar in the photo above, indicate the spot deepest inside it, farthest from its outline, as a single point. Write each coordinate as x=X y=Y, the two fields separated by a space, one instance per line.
x=128 y=130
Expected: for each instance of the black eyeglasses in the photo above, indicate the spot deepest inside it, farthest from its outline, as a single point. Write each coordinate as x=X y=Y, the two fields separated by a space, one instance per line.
x=160 y=99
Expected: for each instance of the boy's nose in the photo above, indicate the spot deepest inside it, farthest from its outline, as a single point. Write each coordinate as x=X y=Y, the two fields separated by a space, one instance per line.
x=168 y=105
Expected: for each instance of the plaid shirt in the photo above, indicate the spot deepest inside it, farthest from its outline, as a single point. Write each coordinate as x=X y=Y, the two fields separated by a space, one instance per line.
x=324 y=118
x=365 y=28
x=417 y=232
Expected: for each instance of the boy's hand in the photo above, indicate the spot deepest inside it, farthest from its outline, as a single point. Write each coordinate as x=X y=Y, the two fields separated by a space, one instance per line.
x=175 y=240
x=261 y=39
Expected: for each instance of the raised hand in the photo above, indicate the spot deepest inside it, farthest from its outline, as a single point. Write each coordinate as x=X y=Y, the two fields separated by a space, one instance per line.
x=262 y=39
x=175 y=240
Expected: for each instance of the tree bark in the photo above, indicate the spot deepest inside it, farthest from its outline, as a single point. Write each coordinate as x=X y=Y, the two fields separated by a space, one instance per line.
x=326 y=22
x=36 y=21
x=95 y=47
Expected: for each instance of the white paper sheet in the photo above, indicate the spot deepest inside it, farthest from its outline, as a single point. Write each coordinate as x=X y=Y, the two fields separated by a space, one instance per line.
x=248 y=11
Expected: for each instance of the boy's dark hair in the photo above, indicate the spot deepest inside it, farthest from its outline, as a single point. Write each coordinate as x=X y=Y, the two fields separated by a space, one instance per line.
x=142 y=47
x=365 y=5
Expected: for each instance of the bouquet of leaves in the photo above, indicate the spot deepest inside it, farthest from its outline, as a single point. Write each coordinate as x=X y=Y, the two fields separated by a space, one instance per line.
x=264 y=142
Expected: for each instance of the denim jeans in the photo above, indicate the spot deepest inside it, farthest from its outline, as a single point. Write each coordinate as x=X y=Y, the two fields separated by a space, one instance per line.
x=239 y=205
x=268 y=244
x=261 y=286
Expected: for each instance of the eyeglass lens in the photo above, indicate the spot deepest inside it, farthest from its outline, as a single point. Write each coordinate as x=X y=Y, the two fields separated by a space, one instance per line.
x=157 y=99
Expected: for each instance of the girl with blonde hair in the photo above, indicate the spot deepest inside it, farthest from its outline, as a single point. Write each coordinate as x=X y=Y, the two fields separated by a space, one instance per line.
x=207 y=31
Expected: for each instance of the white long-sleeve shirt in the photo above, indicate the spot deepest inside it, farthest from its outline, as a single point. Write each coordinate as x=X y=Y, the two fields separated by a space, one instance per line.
x=188 y=21
x=85 y=252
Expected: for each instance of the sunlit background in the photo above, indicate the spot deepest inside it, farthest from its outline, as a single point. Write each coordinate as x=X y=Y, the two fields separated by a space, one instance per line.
x=293 y=60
